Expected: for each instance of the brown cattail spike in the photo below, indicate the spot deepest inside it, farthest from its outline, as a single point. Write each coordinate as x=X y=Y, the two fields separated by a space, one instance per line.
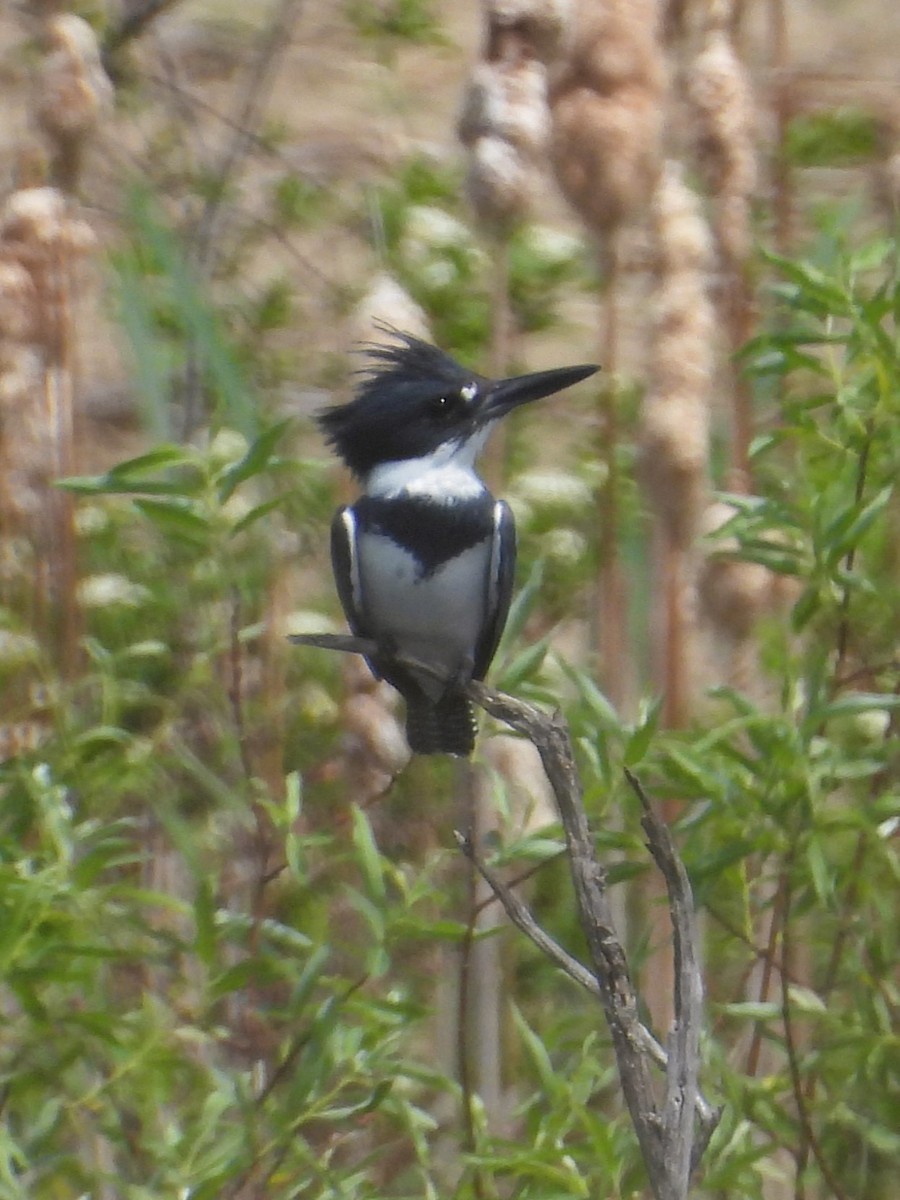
x=606 y=105
x=675 y=415
x=74 y=92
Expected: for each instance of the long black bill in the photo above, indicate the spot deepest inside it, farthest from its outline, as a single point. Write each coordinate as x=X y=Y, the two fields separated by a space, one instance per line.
x=506 y=394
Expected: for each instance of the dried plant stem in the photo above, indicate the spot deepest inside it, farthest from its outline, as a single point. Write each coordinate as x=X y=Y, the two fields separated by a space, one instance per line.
x=724 y=117
x=59 y=394
x=500 y=357
x=782 y=101
x=769 y=966
x=480 y=995
x=611 y=601
x=675 y=683
x=273 y=688
x=809 y=1143
x=741 y=323
x=675 y=417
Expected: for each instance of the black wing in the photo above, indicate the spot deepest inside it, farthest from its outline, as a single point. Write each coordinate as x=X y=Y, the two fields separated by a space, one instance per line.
x=501 y=572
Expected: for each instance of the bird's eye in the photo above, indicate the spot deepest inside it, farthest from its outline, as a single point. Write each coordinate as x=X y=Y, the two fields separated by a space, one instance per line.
x=444 y=408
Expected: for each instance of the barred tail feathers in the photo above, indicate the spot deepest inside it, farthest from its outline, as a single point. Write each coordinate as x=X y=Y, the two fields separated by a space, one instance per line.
x=444 y=726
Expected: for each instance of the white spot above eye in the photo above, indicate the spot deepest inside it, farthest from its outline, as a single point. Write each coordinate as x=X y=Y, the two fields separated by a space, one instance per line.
x=468 y=392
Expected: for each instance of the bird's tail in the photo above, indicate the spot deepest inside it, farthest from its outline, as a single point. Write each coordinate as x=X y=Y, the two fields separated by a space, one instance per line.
x=445 y=726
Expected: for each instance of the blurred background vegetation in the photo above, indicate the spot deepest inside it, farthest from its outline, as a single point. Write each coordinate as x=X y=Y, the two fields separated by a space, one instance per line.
x=239 y=955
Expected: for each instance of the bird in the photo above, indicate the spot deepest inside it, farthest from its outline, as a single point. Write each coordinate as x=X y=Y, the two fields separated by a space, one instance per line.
x=424 y=559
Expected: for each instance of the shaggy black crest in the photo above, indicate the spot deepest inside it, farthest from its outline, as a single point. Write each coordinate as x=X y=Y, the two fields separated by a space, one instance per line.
x=407 y=403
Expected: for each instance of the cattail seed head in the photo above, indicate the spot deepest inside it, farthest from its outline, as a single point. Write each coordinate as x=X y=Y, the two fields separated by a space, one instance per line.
x=499 y=184
x=507 y=100
x=505 y=125
x=616 y=46
x=74 y=88
x=388 y=303
x=543 y=25
x=682 y=241
x=604 y=153
x=721 y=100
x=18 y=302
x=35 y=223
x=606 y=108
x=675 y=414
x=376 y=731
x=74 y=92
x=374 y=748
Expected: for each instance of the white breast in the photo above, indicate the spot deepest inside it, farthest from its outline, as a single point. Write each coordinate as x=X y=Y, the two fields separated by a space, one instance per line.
x=437 y=618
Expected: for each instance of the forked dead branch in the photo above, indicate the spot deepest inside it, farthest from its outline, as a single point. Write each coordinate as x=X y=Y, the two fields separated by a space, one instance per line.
x=673 y=1122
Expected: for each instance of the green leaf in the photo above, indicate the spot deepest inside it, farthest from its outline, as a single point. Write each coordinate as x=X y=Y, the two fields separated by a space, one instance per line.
x=852 y=703
x=294 y=850
x=368 y=852
x=820 y=872
x=256 y=514
x=846 y=531
x=255 y=461
x=752 y=1010
x=524 y=666
x=805 y=1000
x=537 y=1053
x=838 y=137
x=176 y=518
x=639 y=741
x=596 y=701
x=522 y=606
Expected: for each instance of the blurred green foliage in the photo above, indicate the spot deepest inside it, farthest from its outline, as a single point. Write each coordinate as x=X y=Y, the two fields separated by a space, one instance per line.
x=840 y=137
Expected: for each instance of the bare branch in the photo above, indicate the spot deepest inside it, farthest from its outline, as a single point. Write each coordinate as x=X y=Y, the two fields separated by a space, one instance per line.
x=667 y=1136
x=682 y=1094
x=520 y=916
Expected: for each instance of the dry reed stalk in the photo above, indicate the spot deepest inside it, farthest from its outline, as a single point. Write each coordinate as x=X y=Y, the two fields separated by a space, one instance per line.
x=606 y=102
x=782 y=103
x=39 y=240
x=724 y=127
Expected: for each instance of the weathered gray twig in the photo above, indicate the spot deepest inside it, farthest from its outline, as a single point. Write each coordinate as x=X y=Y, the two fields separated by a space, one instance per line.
x=682 y=1090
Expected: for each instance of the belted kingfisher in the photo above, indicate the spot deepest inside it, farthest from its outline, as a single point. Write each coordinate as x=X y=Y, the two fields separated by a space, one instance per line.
x=424 y=559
